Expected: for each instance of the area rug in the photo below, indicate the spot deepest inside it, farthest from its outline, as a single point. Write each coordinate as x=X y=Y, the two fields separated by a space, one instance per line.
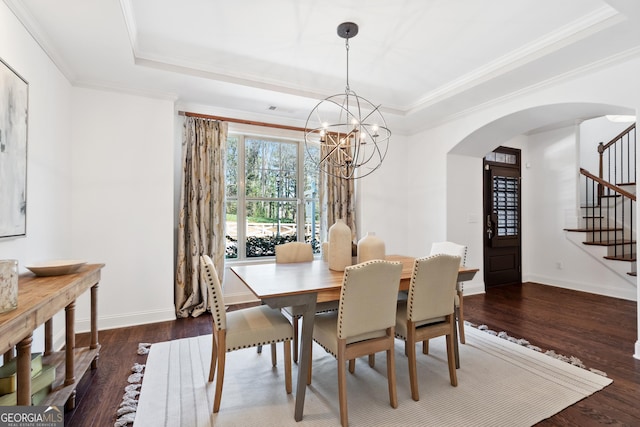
x=500 y=383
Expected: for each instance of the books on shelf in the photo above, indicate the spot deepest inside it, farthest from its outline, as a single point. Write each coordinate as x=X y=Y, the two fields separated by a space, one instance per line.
x=8 y=376
x=40 y=387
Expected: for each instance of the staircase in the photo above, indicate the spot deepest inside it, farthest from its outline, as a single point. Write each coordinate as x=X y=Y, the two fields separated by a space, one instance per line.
x=607 y=228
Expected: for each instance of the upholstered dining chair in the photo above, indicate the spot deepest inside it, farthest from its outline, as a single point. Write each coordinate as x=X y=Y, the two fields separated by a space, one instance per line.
x=241 y=329
x=292 y=252
x=428 y=311
x=455 y=249
x=363 y=324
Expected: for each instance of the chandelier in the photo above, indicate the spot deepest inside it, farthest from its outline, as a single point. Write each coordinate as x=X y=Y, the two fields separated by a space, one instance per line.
x=350 y=130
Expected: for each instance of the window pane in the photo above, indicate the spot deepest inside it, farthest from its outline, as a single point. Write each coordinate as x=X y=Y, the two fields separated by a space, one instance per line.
x=269 y=223
x=311 y=197
x=505 y=204
x=231 y=167
x=232 y=230
x=271 y=168
x=312 y=224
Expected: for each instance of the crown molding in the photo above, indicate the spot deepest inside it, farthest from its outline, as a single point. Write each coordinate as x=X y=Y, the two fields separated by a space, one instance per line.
x=25 y=17
x=588 y=25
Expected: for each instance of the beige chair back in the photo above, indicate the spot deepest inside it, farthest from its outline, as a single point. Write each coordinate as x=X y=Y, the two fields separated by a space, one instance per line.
x=294 y=252
x=368 y=299
x=433 y=287
x=450 y=248
x=210 y=275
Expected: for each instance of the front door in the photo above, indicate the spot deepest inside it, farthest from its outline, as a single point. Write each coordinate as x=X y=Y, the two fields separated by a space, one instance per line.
x=502 y=220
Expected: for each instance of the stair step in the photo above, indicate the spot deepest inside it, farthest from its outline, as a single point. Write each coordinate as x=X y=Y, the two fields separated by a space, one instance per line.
x=621 y=184
x=610 y=243
x=632 y=273
x=627 y=257
x=592 y=230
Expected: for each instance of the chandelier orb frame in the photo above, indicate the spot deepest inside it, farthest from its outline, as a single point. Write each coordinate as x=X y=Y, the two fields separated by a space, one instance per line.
x=351 y=131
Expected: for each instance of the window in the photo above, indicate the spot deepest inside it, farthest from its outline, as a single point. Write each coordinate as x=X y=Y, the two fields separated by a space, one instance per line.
x=271 y=194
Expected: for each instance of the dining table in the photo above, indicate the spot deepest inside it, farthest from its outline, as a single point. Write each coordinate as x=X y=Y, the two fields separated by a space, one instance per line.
x=303 y=285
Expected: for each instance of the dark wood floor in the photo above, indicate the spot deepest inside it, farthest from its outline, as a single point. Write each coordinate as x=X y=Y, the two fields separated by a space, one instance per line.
x=600 y=331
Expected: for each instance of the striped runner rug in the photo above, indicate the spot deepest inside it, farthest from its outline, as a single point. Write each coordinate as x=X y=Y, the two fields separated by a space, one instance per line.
x=500 y=383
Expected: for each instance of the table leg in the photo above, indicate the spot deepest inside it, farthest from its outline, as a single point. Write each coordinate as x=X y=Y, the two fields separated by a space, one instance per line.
x=94 y=324
x=24 y=371
x=306 y=341
x=70 y=345
x=48 y=337
x=305 y=304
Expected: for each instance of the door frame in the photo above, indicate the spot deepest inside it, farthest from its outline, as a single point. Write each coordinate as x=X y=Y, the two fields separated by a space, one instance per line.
x=509 y=160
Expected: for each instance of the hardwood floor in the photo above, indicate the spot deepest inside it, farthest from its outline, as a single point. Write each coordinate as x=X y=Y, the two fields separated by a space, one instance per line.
x=600 y=331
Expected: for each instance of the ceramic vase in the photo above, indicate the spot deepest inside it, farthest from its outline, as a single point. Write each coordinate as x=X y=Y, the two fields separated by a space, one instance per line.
x=370 y=247
x=325 y=251
x=339 y=246
x=8 y=285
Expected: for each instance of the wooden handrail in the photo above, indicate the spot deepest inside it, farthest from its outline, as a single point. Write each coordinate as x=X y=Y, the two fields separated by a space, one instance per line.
x=614 y=140
x=608 y=184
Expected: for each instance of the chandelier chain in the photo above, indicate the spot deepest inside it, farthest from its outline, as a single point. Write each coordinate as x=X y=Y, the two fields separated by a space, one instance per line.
x=346 y=44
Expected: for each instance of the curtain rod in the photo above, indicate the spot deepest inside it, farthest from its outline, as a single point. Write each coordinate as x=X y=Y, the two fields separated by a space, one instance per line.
x=246 y=122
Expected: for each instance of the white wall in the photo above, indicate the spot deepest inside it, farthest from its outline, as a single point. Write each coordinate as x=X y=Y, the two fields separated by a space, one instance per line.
x=477 y=132
x=382 y=201
x=99 y=188
x=123 y=203
x=48 y=156
x=465 y=223
x=550 y=190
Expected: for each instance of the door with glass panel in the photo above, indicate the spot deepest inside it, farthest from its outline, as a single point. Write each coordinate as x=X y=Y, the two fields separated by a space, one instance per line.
x=502 y=217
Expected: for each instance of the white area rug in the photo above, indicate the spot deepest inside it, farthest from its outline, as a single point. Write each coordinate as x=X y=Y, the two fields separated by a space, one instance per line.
x=500 y=383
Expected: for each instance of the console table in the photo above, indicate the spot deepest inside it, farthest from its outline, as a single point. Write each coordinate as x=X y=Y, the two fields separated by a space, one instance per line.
x=39 y=299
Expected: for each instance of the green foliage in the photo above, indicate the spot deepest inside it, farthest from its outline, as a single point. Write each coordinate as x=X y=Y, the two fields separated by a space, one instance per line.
x=264 y=246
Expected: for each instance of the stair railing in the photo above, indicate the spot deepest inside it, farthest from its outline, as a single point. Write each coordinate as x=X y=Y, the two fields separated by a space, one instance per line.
x=617 y=159
x=613 y=205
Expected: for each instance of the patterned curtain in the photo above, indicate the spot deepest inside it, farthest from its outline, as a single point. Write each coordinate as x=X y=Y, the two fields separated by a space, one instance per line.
x=339 y=197
x=202 y=211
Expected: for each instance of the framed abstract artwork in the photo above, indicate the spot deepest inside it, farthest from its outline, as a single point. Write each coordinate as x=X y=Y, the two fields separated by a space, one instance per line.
x=14 y=97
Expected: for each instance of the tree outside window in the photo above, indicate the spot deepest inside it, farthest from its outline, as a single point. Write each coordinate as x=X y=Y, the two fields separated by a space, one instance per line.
x=266 y=206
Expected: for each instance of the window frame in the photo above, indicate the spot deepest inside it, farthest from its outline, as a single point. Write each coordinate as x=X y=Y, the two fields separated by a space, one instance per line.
x=241 y=198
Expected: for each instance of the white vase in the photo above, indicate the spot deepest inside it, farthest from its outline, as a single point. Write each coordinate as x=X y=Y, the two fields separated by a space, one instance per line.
x=8 y=285
x=370 y=247
x=339 y=246
x=325 y=251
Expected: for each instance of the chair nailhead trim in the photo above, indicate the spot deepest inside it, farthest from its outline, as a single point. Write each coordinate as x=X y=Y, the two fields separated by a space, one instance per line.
x=259 y=343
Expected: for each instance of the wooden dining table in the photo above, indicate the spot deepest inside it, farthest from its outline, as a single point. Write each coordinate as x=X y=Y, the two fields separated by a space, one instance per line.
x=303 y=285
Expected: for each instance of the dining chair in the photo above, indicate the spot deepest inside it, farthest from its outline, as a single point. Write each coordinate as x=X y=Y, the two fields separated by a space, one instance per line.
x=363 y=324
x=293 y=252
x=428 y=311
x=450 y=248
x=240 y=329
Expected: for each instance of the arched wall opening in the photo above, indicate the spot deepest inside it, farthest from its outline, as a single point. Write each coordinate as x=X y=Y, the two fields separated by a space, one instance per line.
x=549 y=138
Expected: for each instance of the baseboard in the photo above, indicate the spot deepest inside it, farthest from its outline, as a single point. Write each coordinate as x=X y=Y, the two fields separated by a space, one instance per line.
x=129 y=319
x=113 y=322
x=626 y=294
x=473 y=288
